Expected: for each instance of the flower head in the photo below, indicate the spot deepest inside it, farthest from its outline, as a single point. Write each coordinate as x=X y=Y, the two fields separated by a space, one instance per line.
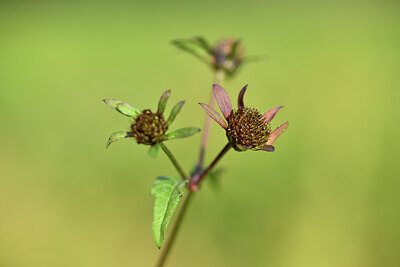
x=228 y=54
x=149 y=128
x=246 y=128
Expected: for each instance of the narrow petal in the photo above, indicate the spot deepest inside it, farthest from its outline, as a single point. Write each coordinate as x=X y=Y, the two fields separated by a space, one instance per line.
x=181 y=133
x=214 y=115
x=223 y=100
x=116 y=137
x=267 y=148
x=276 y=133
x=163 y=101
x=128 y=110
x=240 y=97
x=174 y=112
x=270 y=114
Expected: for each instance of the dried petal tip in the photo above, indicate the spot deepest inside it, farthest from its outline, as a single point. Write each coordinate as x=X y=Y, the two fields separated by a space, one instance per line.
x=276 y=133
x=223 y=100
x=270 y=114
x=240 y=97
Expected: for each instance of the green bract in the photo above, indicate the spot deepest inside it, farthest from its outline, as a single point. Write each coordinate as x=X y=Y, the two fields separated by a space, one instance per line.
x=149 y=128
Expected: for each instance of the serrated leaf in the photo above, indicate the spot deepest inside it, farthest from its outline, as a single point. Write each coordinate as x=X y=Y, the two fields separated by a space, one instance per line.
x=153 y=150
x=181 y=133
x=116 y=137
x=167 y=192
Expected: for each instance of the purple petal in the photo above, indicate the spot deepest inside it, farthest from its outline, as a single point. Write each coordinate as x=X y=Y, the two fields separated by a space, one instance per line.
x=223 y=100
x=268 y=148
x=240 y=97
x=214 y=115
x=270 y=114
x=276 y=133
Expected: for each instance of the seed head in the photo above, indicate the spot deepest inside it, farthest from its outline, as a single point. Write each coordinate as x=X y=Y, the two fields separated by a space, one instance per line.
x=148 y=128
x=247 y=129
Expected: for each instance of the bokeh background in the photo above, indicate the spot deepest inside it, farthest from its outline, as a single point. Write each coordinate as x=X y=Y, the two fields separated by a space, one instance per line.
x=329 y=195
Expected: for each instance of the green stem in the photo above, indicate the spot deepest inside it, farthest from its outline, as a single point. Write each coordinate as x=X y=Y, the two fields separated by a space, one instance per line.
x=174 y=161
x=175 y=230
x=193 y=187
x=196 y=179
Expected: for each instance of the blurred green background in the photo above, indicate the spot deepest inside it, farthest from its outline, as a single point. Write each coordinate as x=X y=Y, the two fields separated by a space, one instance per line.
x=329 y=195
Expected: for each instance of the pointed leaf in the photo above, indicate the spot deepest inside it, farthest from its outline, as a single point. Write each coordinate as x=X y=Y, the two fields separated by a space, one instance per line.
x=112 y=102
x=240 y=97
x=128 y=110
x=175 y=110
x=116 y=137
x=223 y=100
x=276 y=133
x=163 y=101
x=167 y=192
x=270 y=114
x=153 y=150
x=214 y=115
x=188 y=47
x=201 y=42
x=181 y=133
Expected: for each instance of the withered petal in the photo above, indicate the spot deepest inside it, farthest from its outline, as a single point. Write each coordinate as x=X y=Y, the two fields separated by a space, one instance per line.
x=268 y=148
x=270 y=114
x=240 y=97
x=223 y=100
x=276 y=133
x=214 y=115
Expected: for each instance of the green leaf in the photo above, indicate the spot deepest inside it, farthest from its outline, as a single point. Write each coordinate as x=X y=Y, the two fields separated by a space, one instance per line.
x=191 y=49
x=117 y=136
x=234 y=49
x=181 y=133
x=201 y=42
x=167 y=192
x=122 y=107
x=128 y=110
x=163 y=101
x=153 y=150
x=112 y=102
x=176 y=109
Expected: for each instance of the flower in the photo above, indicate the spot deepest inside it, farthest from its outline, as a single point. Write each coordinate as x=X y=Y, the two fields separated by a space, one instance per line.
x=246 y=128
x=149 y=128
x=226 y=55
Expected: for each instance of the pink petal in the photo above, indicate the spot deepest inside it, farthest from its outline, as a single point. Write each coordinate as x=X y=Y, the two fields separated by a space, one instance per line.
x=276 y=133
x=214 y=115
x=270 y=114
x=268 y=148
x=240 y=97
x=223 y=100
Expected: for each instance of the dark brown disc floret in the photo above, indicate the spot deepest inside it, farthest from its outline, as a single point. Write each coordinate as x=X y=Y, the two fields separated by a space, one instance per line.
x=148 y=128
x=247 y=129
